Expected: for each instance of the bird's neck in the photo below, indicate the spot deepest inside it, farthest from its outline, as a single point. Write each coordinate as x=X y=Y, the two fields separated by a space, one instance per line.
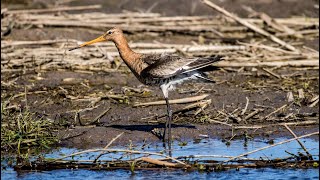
x=131 y=58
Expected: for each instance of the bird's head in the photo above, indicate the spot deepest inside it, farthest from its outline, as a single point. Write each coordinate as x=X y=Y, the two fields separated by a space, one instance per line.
x=110 y=35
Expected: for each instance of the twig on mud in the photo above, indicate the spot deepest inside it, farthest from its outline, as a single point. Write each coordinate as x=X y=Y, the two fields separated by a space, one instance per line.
x=28 y=93
x=97 y=99
x=300 y=143
x=294 y=63
x=314 y=101
x=97 y=119
x=28 y=43
x=219 y=122
x=277 y=110
x=255 y=112
x=276 y=124
x=98 y=6
x=271 y=73
x=231 y=116
x=269 y=48
x=245 y=109
x=266 y=147
x=174 y=101
x=201 y=105
x=107 y=146
x=249 y=25
x=273 y=23
x=70 y=137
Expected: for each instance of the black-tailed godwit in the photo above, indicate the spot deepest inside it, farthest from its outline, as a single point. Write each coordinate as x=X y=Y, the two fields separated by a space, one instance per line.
x=162 y=70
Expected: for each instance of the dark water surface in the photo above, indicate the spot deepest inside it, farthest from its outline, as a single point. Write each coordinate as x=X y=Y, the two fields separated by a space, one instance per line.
x=205 y=147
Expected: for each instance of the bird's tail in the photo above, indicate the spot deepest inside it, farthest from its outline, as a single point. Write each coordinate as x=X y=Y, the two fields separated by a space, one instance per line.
x=202 y=63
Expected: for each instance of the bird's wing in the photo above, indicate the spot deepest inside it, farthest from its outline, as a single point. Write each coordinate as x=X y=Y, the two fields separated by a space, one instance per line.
x=167 y=66
x=154 y=58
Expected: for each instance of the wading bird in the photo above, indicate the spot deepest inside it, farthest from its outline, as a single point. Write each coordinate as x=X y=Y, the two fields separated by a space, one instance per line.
x=164 y=71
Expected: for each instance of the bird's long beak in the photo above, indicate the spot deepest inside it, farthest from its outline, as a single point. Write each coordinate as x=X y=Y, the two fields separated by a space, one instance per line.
x=99 y=39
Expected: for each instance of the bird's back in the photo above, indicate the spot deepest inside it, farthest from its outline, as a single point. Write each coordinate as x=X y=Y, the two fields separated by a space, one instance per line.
x=165 y=68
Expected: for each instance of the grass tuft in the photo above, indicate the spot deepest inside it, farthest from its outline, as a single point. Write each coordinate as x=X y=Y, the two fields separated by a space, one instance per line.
x=23 y=130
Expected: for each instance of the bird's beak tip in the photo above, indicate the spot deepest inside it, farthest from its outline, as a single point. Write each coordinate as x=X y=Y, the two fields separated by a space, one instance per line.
x=74 y=48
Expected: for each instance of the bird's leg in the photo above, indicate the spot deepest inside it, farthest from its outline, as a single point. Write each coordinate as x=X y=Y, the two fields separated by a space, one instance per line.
x=165 y=92
x=168 y=124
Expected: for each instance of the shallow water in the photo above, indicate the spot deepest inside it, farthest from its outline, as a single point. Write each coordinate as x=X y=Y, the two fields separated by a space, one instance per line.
x=205 y=147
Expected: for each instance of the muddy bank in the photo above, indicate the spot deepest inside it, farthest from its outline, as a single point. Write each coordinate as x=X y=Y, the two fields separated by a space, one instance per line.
x=50 y=97
x=286 y=95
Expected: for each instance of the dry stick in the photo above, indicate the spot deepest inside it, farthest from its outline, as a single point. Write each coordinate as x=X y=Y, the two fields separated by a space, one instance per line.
x=201 y=104
x=276 y=144
x=315 y=100
x=119 y=150
x=276 y=124
x=42 y=42
x=270 y=48
x=28 y=93
x=272 y=22
x=213 y=156
x=95 y=160
x=249 y=25
x=98 y=6
x=97 y=99
x=202 y=107
x=298 y=21
x=151 y=18
x=294 y=63
x=158 y=162
x=253 y=114
x=271 y=73
x=174 y=101
x=219 y=122
x=99 y=116
x=183 y=47
x=245 y=109
x=277 y=110
x=303 y=147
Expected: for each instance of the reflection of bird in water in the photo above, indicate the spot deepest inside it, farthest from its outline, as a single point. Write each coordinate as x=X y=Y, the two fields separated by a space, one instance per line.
x=163 y=71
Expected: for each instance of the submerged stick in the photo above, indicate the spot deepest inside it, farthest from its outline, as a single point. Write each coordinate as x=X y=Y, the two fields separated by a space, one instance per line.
x=158 y=162
x=300 y=143
x=174 y=101
x=95 y=160
x=266 y=147
x=119 y=150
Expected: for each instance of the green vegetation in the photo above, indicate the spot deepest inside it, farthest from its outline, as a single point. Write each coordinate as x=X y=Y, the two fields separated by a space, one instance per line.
x=22 y=131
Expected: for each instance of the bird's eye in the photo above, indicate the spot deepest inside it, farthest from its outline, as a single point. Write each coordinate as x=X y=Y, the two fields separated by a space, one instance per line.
x=109 y=32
